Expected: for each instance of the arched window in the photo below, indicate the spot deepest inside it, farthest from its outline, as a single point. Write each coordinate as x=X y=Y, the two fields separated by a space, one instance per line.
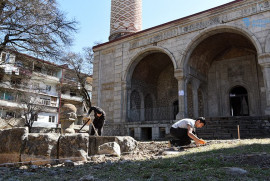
x=239 y=101
x=200 y=103
x=135 y=106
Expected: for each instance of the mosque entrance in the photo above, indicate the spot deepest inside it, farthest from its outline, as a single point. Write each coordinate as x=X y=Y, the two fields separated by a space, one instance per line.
x=216 y=67
x=239 y=101
x=154 y=89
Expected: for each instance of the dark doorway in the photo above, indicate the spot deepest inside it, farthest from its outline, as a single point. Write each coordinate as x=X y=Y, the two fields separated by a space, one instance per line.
x=146 y=133
x=175 y=109
x=132 y=132
x=239 y=101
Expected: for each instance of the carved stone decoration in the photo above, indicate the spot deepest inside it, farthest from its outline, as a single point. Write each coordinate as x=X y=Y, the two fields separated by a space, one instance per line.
x=67 y=118
x=126 y=17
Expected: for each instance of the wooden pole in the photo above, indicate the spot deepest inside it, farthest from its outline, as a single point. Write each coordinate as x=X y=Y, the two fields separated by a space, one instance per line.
x=238 y=132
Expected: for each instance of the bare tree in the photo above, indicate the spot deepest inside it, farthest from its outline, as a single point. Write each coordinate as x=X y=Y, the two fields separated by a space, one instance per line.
x=31 y=108
x=34 y=26
x=82 y=68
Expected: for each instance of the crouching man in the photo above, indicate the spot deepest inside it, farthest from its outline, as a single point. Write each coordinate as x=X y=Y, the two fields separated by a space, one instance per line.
x=98 y=122
x=184 y=130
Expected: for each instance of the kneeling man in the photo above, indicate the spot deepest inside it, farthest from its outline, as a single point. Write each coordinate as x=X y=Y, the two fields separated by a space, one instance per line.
x=183 y=131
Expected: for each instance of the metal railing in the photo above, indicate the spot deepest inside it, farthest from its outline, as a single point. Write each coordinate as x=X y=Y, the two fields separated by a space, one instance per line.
x=152 y=114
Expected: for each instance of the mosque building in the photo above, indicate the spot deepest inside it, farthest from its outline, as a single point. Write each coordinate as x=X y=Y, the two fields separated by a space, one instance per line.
x=214 y=64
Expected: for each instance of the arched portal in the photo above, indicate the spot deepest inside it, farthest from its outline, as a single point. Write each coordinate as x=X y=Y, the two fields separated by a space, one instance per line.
x=153 y=76
x=239 y=101
x=217 y=63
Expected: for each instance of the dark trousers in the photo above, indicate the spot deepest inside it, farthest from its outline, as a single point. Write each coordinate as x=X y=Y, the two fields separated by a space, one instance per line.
x=98 y=124
x=181 y=136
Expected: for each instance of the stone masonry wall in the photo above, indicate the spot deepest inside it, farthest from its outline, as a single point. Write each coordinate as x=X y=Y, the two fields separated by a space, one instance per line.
x=41 y=148
x=226 y=127
x=19 y=146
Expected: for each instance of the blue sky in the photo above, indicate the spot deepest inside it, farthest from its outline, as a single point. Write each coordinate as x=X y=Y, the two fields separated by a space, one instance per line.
x=94 y=16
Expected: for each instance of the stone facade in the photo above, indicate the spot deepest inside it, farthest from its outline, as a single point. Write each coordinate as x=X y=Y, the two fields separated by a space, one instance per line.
x=215 y=63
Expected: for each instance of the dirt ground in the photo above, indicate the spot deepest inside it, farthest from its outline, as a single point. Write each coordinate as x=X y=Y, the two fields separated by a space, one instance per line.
x=155 y=150
x=160 y=149
x=152 y=150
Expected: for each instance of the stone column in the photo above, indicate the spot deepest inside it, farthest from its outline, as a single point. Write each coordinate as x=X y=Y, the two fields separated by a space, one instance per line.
x=155 y=132
x=178 y=74
x=264 y=61
x=138 y=133
x=195 y=87
x=126 y=101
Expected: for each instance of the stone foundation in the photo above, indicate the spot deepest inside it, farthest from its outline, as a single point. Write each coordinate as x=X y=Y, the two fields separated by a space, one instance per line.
x=17 y=145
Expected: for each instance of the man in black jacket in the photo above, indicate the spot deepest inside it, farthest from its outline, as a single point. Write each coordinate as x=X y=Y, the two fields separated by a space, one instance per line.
x=98 y=121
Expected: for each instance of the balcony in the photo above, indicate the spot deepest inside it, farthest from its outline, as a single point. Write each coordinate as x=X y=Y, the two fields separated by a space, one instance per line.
x=7 y=103
x=49 y=78
x=47 y=102
x=73 y=98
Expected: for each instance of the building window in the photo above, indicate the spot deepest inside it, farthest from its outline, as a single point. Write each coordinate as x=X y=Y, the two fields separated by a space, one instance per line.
x=2 y=95
x=53 y=101
x=5 y=57
x=9 y=96
x=51 y=73
x=10 y=114
x=19 y=64
x=72 y=93
x=51 y=119
x=37 y=69
x=35 y=117
x=48 y=88
x=35 y=86
x=15 y=81
x=45 y=101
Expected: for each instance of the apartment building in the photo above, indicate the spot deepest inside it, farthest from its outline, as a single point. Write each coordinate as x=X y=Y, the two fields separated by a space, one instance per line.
x=27 y=80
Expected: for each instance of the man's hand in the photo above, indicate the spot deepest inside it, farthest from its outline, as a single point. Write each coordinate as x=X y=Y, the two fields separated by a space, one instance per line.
x=199 y=142
x=202 y=142
x=87 y=119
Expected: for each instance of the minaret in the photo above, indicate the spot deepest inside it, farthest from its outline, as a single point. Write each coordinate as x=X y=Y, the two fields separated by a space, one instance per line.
x=126 y=17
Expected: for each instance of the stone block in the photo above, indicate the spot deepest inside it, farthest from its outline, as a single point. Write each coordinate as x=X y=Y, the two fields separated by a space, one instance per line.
x=111 y=148
x=74 y=146
x=12 y=141
x=126 y=143
x=40 y=148
x=95 y=142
